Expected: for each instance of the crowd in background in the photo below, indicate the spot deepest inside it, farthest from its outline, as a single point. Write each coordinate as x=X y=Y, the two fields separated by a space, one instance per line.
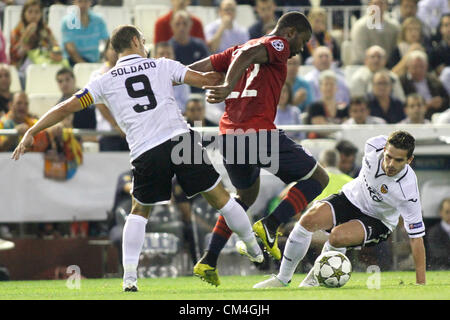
x=400 y=72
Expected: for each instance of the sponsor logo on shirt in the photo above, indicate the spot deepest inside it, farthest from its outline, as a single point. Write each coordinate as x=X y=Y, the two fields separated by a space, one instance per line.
x=415 y=225
x=278 y=45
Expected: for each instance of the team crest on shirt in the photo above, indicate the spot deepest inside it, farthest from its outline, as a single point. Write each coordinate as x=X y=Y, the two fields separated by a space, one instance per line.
x=384 y=189
x=278 y=45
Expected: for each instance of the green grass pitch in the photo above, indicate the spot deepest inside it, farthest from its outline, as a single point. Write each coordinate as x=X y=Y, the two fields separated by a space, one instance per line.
x=393 y=286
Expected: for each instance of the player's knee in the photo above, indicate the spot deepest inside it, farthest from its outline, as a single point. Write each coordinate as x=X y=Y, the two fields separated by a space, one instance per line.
x=309 y=221
x=337 y=239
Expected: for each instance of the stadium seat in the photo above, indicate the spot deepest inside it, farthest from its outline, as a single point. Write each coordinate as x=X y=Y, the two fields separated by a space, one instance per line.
x=245 y=16
x=303 y=70
x=41 y=78
x=432 y=193
x=145 y=17
x=55 y=14
x=15 y=81
x=346 y=52
x=113 y=16
x=10 y=20
x=83 y=71
x=349 y=70
x=435 y=117
x=316 y=146
x=205 y=14
x=41 y=103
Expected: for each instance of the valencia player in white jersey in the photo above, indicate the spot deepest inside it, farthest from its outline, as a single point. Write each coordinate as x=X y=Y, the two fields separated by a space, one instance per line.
x=139 y=94
x=365 y=212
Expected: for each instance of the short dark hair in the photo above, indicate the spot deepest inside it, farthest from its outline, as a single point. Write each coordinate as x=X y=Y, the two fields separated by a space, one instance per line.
x=65 y=71
x=402 y=140
x=296 y=20
x=415 y=96
x=346 y=147
x=358 y=100
x=122 y=35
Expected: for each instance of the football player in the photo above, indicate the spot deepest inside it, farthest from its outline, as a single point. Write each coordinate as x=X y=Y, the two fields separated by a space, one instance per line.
x=255 y=74
x=140 y=97
x=365 y=212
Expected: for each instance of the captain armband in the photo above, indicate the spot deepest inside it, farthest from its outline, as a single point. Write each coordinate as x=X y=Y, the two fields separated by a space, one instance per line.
x=84 y=97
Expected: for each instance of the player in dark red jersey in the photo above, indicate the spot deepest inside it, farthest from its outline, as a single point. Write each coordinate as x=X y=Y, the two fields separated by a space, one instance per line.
x=255 y=74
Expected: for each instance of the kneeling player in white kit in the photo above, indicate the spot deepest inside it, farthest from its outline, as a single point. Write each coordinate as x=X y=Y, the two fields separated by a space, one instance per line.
x=365 y=212
x=139 y=94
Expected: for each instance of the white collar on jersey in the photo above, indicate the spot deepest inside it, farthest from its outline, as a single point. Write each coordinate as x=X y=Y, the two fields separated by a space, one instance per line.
x=128 y=57
x=380 y=172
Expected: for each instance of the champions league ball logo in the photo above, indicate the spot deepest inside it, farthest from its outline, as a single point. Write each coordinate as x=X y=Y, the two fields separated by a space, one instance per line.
x=278 y=45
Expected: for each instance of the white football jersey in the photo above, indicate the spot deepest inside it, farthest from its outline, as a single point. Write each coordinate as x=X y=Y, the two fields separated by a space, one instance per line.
x=383 y=197
x=139 y=93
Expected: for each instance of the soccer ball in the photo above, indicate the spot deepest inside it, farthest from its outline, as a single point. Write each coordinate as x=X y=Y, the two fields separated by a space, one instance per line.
x=332 y=269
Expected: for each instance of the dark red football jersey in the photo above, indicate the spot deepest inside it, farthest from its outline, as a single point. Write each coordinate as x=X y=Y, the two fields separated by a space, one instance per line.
x=253 y=102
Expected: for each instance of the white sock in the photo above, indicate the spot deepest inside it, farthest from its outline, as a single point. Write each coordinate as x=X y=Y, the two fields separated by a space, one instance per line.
x=133 y=239
x=295 y=250
x=237 y=220
x=328 y=247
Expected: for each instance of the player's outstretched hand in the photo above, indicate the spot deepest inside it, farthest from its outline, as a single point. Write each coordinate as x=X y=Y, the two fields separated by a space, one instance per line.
x=26 y=143
x=218 y=93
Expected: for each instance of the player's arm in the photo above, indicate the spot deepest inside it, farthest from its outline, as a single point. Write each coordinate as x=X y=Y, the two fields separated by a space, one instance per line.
x=50 y=118
x=201 y=79
x=418 y=252
x=246 y=56
x=203 y=65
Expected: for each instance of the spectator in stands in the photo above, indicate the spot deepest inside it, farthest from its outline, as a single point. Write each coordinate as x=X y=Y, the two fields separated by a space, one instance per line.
x=288 y=113
x=445 y=79
x=381 y=101
x=266 y=10
x=374 y=29
x=32 y=40
x=410 y=39
x=359 y=112
x=84 y=119
x=18 y=118
x=347 y=158
x=163 y=29
x=408 y=9
x=82 y=32
x=328 y=110
x=5 y=84
x=182 y=91
x=103 y=117
x=195 y=112
x=438 y=240
x=187 y=49
x=430 y=12
x=225 y=32
x=322 y=60
x=302 y=93
x=3 y=56
x=440 y=54
x=415 y=110
x=418 y=80
x=320 y=36
x=361 y=81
